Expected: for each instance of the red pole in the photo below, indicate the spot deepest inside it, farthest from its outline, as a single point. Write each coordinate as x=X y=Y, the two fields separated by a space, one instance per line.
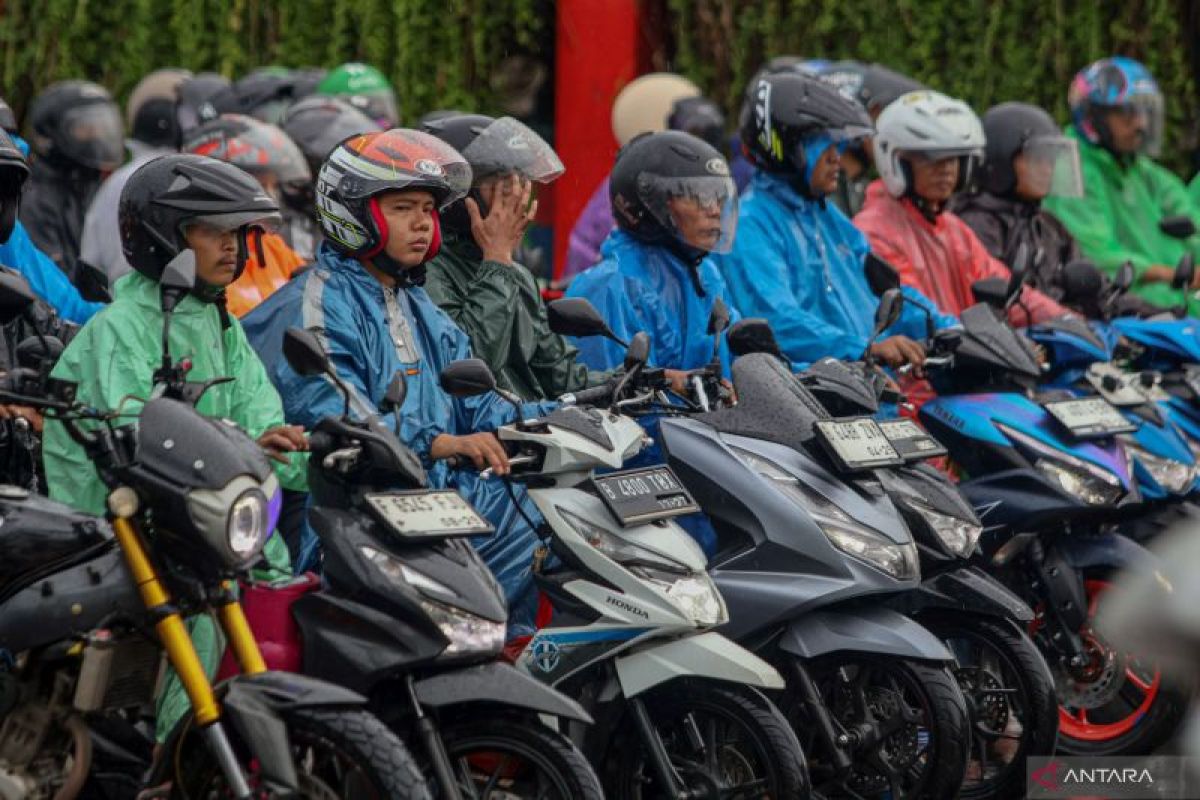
x=597 y=45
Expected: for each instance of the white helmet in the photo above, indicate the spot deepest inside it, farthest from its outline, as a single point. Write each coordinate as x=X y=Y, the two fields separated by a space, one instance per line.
x=925 y=122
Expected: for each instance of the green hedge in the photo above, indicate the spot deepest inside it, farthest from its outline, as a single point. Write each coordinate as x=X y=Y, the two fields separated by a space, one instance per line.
x=435 y=50
x=985 y=51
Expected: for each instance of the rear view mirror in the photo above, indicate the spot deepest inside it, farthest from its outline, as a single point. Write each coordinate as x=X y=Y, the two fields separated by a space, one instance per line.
x=718 y=318
x=92 y=283
x=34 y=351
x=1185 y=272
x=1177 y=227
x=638 y=351
x=397 y=390
x=575 y=316
x=753 y=336
x=993 y=291
x=16 y=295
x=303 y=352
x=178 y=278
x=881 y=275
x=1081 y=281
x=1124 y=277
x=467 y=377
x=890 y=306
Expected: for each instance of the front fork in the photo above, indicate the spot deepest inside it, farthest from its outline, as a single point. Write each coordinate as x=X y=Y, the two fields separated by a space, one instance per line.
x=1062 y=598
x=175 y=639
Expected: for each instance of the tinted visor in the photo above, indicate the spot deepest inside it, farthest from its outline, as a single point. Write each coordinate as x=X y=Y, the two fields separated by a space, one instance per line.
x=92 y=135
x=1147 y=110
x=700 y=211
x=231 y=221
x=508 y=147
x=1051 y=166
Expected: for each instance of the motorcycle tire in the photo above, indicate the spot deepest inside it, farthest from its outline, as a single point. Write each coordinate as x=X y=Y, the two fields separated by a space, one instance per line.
x=504 y=751
x=774 y=757
x=942 y=744
x=1023 y=692
x=352 y=750
x=1152 y=710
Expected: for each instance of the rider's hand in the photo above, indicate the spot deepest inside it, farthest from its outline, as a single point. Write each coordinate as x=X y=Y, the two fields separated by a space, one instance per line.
x=896 y=351
x=30 y=415
x=1157 y=273
x=284 y=439
x=678 y=379
x=509 y=214
x=483 y=449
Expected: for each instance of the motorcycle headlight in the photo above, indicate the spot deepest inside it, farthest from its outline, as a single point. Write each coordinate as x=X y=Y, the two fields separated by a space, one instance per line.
x=1174 y=476
x=847 y=534
x=616 y=548
x=236 y=520
x=1088 y=482
x=466 y=632
x=956 y=535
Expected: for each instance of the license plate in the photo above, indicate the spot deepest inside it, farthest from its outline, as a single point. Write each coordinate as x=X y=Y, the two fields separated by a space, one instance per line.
x=1089 y=417
x=1115 y=385
x=911 y=441
x=857 y=444
x=427 y=514
x=638 y=496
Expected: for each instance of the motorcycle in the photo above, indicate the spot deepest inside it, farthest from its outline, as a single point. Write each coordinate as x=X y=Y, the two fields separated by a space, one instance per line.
x=88 y=607
x=411 y=617
x=677 y=706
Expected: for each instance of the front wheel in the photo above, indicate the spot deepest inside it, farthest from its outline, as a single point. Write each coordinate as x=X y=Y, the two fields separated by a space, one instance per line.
x=338 y=754
x=904 y=723
x=499 y=757
x=722 y=740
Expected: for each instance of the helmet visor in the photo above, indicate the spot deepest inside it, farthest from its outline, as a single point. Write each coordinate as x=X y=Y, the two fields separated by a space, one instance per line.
x=1142 y=117
x=1048 y=166
x=699 y=211
x=231 y=221
x=379 y=106
x=508 y=147
x=92 y=135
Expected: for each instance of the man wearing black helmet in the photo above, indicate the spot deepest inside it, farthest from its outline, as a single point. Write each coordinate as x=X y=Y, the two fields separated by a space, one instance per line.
x=153 y=125
x=174 y=203
x=674 y=203
x=77 y=138
x=474 y=277
x=797 y=261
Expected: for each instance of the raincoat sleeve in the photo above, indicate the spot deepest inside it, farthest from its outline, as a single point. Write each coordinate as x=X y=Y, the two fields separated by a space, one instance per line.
x=1037 y=304
x=628 y=308
x=757 y=274
x=257 y=407
x=45 y=278
x=554 y=361
x=1173 y=195
x=485 y=310
x=1194 y=189
x=1089 y=219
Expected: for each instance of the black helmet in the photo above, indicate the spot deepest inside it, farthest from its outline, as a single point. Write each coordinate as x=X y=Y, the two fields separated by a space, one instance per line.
x=784 y=109
x=77 y=124
x=318 y=124
x=656 y=168
x=1015 y=128
x=492 y=147
x=166 y=194
x=266 y=93
x=700 y=117
x=202 y=98
x=150 y=113
x=13 y=173
x=881 y=85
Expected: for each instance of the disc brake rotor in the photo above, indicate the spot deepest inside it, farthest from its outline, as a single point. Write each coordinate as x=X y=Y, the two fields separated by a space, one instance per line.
x=985 y=694
x=1097 y=683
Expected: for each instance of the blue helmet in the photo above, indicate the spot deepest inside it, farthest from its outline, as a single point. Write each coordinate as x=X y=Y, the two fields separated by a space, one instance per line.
x=1110 y=84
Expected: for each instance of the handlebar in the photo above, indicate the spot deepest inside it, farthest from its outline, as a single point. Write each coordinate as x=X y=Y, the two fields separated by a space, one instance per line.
x=515 y=461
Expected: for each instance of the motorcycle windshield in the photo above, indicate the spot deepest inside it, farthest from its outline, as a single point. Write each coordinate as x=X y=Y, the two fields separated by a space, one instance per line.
x=989 y=340
x=182 y=448
x=772 y=405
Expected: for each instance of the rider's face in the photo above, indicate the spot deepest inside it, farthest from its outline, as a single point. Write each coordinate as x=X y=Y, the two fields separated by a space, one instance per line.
x=216 y=253
x=409 y=217
x=1127 y=126
x=698 y=223
x=934 y=180
x=825 y=174
x=1034 y=176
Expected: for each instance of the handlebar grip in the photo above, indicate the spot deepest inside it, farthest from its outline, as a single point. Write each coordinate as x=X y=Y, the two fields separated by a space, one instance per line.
x=321 y=442
x=590 y=396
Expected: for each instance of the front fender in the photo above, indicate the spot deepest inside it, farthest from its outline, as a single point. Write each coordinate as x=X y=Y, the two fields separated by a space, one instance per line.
x=869 y=629
x=496 y=683
x=706 y=655
x=966 y=589
x=254 y=706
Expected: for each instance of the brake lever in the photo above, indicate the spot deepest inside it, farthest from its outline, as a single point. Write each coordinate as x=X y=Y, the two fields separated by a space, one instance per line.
x=515 y=461
x=342 y=459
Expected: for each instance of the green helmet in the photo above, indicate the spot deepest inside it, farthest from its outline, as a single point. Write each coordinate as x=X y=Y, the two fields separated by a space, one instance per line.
x=365 y=88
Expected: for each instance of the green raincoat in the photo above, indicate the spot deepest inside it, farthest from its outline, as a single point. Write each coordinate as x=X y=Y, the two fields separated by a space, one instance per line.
x=116 y=354
x=1117 y=218
x=1194 y=189
x=501 y=310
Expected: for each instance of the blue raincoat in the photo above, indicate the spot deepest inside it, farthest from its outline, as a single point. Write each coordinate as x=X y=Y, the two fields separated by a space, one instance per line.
x=45 y=278
x=799 y=264
x=370 y=333
x=645 y=287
